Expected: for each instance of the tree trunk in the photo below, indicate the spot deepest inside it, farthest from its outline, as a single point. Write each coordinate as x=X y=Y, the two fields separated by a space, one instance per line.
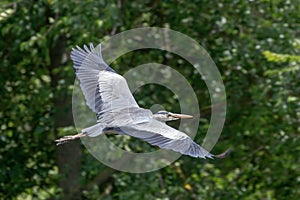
x=68 y=156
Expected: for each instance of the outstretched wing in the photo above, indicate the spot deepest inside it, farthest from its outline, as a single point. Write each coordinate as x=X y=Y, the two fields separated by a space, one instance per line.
x=161 y=135
x=102 y=87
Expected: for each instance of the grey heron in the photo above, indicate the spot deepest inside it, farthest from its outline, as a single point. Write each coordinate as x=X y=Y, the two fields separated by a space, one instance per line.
x=107 y=94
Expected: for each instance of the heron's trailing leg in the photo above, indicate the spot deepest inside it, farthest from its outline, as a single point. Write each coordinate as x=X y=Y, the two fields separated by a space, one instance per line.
x=69 y=138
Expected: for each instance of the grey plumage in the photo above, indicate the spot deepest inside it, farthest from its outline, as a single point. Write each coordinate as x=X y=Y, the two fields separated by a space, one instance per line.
x=108 y=95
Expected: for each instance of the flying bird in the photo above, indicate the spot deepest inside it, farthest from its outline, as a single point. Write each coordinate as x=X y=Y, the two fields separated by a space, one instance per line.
x=107 y=94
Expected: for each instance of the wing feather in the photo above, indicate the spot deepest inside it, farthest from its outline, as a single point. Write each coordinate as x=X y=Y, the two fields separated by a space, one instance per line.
x=102 y=87
x=159 y=134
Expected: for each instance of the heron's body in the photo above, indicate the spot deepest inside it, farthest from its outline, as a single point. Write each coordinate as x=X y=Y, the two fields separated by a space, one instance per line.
x=108 y=95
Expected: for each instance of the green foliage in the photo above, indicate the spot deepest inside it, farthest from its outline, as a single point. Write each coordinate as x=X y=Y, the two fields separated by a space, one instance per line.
x=255 y=45
x=293 y=61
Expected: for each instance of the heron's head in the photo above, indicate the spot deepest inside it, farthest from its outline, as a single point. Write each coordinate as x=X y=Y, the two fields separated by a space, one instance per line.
x=165 y=116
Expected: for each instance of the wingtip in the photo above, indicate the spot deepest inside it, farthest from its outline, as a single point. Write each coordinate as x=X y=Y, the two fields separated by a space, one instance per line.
x=92 y=48
x=78 y=48
x=209 y=156
x=224 y=154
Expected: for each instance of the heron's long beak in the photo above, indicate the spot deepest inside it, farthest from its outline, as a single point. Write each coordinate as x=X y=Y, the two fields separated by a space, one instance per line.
x=180 y=116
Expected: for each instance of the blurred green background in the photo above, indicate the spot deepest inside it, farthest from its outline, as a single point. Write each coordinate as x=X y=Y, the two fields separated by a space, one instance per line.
x=256 y=46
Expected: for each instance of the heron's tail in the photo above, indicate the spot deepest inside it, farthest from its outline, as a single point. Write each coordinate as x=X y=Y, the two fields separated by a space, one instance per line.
x=94 y=130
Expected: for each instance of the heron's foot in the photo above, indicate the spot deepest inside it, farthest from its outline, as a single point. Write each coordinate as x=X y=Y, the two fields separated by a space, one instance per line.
x=69 y=138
